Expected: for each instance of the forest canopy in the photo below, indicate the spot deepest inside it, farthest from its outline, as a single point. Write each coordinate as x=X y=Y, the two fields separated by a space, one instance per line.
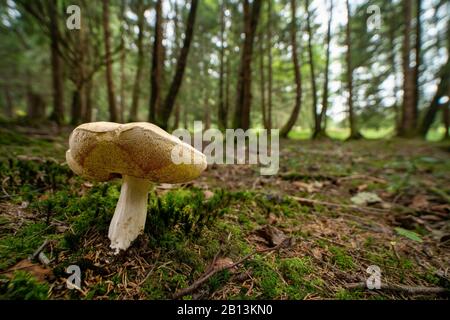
x=309 y=68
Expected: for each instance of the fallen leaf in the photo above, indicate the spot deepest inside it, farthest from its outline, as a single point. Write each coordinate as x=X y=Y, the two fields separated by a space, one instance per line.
x=365 y=198
x=409 y=234
x=419 y=202
x=26 y=265
x=208 y=194
x=272 y=235
x=222 y=263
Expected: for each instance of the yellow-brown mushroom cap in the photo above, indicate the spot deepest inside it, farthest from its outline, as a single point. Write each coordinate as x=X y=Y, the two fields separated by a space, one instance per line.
x=104 y=150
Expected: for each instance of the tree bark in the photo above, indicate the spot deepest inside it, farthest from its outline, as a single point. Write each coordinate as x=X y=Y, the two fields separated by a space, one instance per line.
x=354 y=133
x=446 y=120
x=298 y=79
x=312 y=69
x=443 y=90
x=269 y=66
x=57 y=75
x=9 y=108
x=262 y=79
x=122 y=64
x=140 y=63
x=418 y=47
x=180 y=68
x=109 y=72
x=321 y=130
x=243 y=101
x=157 y=65
x=222 y=115
x=409 y=114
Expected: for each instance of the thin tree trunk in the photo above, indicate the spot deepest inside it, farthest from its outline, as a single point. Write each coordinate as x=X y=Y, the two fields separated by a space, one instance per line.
x=227 y=87
x=222 y=116
x=446 y=120
x=140 y=63
x=122 y=107
x=157 y=65
x=418 y=45
x=9 y=109
x=57 y=75
x=269 y=66
x=442 y=90
x=298 y=79
x=393 y=65
x=409 y=115
x=242 y=112
x=262 y=79
x=87 y=117
x=321 y=130
x=180 y=68
x=312 y=68
x=109 y=72
x=354 y=133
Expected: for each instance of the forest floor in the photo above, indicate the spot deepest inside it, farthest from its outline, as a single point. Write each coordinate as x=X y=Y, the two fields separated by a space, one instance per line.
x=310 y=232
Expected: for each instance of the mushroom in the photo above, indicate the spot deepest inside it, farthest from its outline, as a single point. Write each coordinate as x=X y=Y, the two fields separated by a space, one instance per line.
x=139 y=152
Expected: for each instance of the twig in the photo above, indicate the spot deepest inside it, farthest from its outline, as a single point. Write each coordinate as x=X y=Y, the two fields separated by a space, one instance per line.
x=400 y=288
x=35 y=255
x=194 y=286
x=311 y=202
x=362 y=176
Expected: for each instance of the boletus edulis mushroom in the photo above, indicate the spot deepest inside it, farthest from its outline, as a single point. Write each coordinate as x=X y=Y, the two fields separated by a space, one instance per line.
x=140 y=153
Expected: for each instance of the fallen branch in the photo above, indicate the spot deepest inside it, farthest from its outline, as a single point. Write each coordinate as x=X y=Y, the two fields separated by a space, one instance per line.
x=311 y=202
x=362 y=176
x=400 y=288
x=212 y=271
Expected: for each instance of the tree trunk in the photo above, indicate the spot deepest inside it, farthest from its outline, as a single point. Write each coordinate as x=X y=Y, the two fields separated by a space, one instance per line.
x=409 y=114
x=122 y=108
x=269 y=66
x=262 y=79
x=227 y=86
x=418 y=45
x=442 y=90
x=140 y=63
x=57 y=75
x=242 y=112
x=9 y=109
x=87 y=116
x=446 y=120
x=393 y=65
x=312 y=68
x=321 y=130
x=298 y=79
x=109 y=72
x=354 y=133
x=222 y=116
x=180 y=68
x=157 y=65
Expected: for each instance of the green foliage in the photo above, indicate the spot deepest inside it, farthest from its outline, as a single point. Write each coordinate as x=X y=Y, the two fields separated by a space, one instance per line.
x=185 y=210
x=341 y=258
x=409 y=234
x=23 y=286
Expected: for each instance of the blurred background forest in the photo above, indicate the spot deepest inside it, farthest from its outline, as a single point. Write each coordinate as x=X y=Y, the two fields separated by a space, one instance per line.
x=310 y=68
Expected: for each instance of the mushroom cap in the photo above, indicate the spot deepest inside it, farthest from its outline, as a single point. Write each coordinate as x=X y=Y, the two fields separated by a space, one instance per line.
x=105 y=150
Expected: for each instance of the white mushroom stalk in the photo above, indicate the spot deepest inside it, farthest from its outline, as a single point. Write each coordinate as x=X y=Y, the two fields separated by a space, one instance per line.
x=141 y=153
x=130 y=214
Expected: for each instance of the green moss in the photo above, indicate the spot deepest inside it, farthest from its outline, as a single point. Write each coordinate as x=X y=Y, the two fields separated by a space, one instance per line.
x=341 y=258
x=343 y=294
x=267 y=279
x=23 y=286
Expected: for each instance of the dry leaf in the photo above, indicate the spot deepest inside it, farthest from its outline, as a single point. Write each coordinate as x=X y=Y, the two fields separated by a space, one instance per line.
x=208 y=194
x=26 y=265
x=272 y=235
x=419 y=202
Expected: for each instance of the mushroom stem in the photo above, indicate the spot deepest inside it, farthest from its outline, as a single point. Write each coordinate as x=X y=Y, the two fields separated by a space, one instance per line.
x=130 y=214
